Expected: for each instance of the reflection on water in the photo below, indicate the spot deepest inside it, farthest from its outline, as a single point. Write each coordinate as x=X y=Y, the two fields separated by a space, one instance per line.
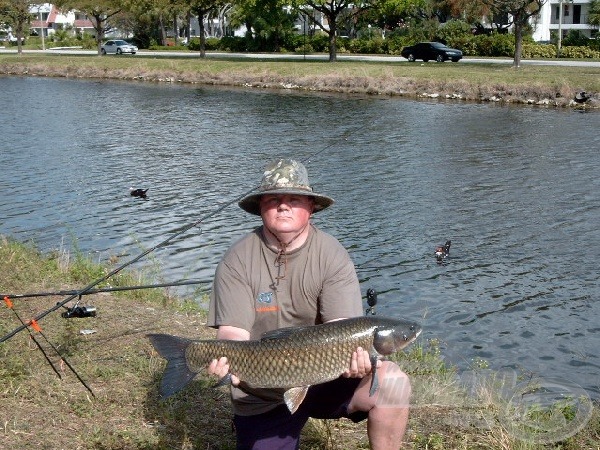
x=515 y=189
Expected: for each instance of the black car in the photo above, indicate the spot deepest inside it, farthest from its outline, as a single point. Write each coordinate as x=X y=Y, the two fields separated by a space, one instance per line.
x=431 y=50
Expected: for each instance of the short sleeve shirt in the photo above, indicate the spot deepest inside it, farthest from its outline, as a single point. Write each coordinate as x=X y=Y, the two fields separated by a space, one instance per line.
x=259 y=291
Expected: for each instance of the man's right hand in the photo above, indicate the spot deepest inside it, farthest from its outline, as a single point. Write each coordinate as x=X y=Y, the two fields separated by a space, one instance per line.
x=220 y=368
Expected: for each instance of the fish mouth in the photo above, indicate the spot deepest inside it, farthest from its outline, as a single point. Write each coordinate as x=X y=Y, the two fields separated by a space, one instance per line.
x=413 y=338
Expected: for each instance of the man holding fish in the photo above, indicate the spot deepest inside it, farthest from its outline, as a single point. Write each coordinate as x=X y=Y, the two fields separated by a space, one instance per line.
x=288 y=273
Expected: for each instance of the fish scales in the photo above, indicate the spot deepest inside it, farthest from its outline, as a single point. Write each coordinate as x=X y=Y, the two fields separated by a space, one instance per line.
x=290 y=358
x=308 y=356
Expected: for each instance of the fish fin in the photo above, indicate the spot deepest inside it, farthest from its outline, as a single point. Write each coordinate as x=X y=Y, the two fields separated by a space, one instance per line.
x=280 y=333
x=177 y=374
x=294 y=397
x=223 y=381
x=374 y=378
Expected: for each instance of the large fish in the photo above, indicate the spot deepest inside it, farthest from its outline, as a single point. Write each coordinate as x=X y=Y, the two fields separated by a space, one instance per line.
x=291 y=358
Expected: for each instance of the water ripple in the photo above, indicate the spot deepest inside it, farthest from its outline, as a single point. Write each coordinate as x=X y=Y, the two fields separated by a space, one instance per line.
x=521 y=208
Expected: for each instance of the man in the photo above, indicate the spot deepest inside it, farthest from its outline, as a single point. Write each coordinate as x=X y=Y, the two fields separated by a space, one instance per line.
x=289 y=273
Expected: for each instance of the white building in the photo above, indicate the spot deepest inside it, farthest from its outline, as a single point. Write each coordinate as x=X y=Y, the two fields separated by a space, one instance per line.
x=574 y=16
x=47 y=19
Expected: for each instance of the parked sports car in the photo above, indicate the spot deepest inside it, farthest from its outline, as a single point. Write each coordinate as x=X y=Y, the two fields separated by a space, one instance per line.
x=118 y=47
x=431 y=50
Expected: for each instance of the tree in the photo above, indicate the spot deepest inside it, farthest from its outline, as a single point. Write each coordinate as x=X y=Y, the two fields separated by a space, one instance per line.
x=267 y=22
x=391 y=14
x=203 y=10
x=100 y=12
x=153 y=17
x=594 y=13
x=15 y=13
x=519 y=12
x=332 y=11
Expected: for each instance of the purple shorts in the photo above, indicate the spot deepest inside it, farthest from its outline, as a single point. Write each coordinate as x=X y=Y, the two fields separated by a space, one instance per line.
x=278 y=429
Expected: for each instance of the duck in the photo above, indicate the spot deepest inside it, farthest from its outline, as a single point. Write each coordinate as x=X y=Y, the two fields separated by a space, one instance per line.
x=441 y=251
x=582 y=97
x=141 y=193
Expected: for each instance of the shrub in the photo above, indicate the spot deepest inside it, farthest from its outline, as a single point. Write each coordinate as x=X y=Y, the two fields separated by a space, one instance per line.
x=503 y=45
x=320 y=42
x=453 y=30
x=575 y=38
x=304 y=49
x=213 y=43
x=233 y=44
x=343 y=44
x=467 y=44
x=532 y=50
x=293 y=41
x=374 y=45
x=495 y=45
x=395 y=43
x=578 y=52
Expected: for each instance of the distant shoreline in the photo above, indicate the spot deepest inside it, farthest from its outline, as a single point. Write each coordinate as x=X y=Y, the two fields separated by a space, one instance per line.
x=556 y=88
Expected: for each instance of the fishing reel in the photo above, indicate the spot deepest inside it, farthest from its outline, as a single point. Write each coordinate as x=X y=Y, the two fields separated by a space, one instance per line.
x=79 y=311
x=371 y=301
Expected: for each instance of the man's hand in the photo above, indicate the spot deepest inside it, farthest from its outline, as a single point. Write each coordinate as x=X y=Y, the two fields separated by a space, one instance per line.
x=360 y=365
x=220 y=368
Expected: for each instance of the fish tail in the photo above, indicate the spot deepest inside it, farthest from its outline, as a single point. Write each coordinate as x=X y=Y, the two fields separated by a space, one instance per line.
x=177 y=373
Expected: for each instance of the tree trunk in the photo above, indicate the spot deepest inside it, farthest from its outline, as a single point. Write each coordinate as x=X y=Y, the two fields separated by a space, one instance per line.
x=202 y=35
x=175 y=29
x=20 y=38
x=518 y=42
x=99 y=29
x=332 y=39
x=188 y=27
x=163 y=32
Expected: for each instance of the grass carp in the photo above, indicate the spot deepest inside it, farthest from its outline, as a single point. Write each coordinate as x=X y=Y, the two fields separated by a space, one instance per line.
x=291 y=358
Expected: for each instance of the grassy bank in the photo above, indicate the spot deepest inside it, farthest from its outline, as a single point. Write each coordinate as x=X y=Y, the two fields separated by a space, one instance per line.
x=39 y=410
x=531 y=84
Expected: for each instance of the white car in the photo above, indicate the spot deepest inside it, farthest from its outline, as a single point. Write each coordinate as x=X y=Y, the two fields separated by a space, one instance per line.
x=118 y=47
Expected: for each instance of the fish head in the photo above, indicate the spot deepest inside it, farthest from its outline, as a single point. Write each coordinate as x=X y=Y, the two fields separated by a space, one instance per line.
x=392 y=335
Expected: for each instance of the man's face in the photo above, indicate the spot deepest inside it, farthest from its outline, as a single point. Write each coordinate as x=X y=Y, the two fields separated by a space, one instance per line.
x=285 y=213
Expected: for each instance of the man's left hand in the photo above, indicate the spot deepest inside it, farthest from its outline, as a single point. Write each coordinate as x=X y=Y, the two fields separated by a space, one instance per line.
x=360 y=365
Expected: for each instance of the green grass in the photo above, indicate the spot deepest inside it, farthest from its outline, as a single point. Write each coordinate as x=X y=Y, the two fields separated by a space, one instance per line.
x=470 y=82
x=39 y=410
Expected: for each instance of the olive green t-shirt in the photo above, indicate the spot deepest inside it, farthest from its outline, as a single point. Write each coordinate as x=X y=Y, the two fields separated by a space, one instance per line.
x=258 y=291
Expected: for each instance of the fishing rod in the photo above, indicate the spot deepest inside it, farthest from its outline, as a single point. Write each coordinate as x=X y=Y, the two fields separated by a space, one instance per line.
x=96 y=291
x=176 y=234
x=118 y=269
x=34 y=325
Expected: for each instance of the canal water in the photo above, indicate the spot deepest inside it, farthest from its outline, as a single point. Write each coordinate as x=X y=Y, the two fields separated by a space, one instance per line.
x=516 y=190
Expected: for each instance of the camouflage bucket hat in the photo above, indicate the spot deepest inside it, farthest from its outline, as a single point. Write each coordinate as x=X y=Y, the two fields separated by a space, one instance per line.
x=285 y=176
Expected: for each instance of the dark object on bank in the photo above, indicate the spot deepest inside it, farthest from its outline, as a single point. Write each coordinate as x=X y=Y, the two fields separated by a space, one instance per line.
x=431 y=51
x=442 y=251
x=140 y=193
x=582 y=97
x=80 y=312
x=371 y=301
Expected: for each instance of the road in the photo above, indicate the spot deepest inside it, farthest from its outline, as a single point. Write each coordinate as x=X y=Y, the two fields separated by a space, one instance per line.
x=319 y=57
